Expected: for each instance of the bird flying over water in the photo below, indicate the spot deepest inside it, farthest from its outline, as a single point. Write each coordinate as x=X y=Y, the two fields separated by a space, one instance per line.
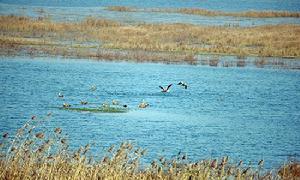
x=183 y=84
x=166 y=89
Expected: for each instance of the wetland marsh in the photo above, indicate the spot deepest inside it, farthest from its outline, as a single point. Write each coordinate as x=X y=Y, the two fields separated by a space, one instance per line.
x=61 y=65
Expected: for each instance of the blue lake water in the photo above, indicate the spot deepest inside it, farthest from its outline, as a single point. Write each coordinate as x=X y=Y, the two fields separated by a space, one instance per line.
x=246 y=113
x=75 y=14
x=224 y=5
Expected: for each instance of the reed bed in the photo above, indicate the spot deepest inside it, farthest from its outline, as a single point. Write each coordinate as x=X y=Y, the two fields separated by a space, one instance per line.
x=107 y=39
x=121 y=8
x=35 y=154
x=205 y=12
x=251 y=14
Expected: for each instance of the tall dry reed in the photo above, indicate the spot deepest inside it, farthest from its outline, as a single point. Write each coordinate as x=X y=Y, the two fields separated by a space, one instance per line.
x=35 y=154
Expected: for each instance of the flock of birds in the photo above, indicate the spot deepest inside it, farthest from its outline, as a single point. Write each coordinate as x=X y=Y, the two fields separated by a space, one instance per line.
x=143 y=104
x=166 y=89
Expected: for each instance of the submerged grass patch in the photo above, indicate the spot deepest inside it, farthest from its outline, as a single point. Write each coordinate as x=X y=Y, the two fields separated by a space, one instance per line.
x=109 y=109
x=35 y=154
x=111 y=40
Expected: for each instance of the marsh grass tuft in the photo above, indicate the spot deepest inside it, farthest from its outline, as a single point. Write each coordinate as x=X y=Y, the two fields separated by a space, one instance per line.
x=26 y=157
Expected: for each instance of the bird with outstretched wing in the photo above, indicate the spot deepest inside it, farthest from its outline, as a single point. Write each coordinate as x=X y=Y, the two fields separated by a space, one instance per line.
x=166 y=89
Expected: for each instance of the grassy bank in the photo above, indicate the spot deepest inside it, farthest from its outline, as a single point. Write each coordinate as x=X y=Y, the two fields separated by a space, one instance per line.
x=111 y=40
x=35 y=154
x=204 y=12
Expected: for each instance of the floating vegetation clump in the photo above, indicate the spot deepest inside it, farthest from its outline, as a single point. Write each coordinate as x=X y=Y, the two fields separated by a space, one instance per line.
x=103 y=109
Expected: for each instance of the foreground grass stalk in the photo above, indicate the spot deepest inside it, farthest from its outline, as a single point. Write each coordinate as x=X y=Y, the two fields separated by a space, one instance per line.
x=37 y=157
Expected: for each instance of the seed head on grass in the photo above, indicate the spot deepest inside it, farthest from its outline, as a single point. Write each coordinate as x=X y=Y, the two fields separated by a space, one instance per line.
x=214 y=164
x=63 y=141
x=111 y=148
x=240 y=163
x=261 y=162
x=13 y=149
x=40 y=135
x=5 y=135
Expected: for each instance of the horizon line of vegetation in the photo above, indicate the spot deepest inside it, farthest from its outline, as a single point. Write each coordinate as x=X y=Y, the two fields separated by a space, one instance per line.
x=205 y=12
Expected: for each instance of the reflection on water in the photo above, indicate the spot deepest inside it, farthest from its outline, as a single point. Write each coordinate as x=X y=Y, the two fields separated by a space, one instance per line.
x=244 y=61
x=246 y=113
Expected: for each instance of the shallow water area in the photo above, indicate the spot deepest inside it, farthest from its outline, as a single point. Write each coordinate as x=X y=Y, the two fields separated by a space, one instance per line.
x=246 y=113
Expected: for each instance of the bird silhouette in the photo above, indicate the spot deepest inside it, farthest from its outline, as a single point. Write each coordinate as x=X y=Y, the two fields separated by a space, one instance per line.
x=183 y=84
x=166 y=89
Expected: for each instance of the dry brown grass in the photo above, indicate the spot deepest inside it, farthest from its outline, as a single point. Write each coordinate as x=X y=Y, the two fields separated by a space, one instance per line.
x=252 y=14
x=36 y=154
x=121 y=8
x=204 y=12
x=100 y=38
x=290 y=171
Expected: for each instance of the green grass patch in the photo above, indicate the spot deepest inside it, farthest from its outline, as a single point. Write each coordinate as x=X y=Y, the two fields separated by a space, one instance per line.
x=97 y=110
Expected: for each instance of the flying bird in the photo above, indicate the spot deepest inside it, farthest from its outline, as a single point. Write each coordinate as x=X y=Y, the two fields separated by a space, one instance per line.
x=166 y=89
x=183 y=84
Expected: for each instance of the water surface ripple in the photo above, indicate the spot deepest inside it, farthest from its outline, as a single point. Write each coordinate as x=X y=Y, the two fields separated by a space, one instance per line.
x=248 y=113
